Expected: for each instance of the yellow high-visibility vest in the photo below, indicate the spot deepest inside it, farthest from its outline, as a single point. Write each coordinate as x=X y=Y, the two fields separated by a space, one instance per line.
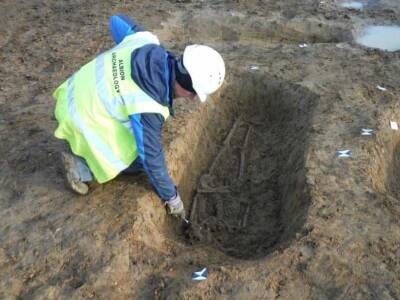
x=94 y=104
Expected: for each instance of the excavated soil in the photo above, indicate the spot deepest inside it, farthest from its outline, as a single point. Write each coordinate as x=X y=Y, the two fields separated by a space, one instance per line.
x=254 y=194
x=275 y=214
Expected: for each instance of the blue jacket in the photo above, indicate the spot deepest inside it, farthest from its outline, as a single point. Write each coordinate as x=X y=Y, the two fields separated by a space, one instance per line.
x=153 y=71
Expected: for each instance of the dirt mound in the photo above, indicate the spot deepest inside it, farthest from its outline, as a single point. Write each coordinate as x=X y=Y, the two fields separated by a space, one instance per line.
x=235 y=26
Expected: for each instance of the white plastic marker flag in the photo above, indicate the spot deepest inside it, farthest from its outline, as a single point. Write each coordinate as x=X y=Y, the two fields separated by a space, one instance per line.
x=254 y=67
x=367 y=131
x=344 y=153
x=381 y=88
x=200 y=275
x=394 y=125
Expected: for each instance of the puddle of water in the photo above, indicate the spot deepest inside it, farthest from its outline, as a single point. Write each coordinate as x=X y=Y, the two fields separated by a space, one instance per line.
x=352 y=4
x=382 y=37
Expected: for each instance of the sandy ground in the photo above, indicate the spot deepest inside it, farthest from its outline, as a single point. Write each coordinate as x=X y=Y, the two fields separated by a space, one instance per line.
x=277 y=215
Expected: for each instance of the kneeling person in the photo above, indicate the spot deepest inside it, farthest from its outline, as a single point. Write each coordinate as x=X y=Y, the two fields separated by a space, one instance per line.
x=112 y=110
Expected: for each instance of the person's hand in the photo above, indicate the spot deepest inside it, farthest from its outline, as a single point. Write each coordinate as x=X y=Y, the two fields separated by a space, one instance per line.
x=175 y=207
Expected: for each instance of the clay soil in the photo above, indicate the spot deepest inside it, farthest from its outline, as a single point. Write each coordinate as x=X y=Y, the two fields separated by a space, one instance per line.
x=275 y=214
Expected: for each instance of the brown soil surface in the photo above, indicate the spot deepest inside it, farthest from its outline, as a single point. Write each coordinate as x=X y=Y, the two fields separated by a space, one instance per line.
x=277 y=214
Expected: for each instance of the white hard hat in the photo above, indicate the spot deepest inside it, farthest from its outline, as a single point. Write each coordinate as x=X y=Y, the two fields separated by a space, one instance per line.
x=206 y=68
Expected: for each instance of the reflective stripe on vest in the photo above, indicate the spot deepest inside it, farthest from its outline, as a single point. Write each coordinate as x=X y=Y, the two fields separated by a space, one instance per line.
x=90 y=136
x=93 y=108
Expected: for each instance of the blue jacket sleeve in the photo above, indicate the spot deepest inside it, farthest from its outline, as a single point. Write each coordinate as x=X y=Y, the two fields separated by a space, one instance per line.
x=147 y=129
x=121 y=26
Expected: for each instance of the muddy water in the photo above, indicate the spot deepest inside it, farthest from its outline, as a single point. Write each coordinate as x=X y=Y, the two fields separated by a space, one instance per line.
x=352 y=4
x=381 y=37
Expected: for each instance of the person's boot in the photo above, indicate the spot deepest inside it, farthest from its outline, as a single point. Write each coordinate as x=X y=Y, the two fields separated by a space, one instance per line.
x=72 y=174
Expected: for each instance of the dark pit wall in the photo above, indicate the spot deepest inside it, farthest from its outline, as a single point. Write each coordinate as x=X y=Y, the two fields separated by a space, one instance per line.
x=393 y=174
x=385 y=165
x=245 y=171
x=393 y=171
